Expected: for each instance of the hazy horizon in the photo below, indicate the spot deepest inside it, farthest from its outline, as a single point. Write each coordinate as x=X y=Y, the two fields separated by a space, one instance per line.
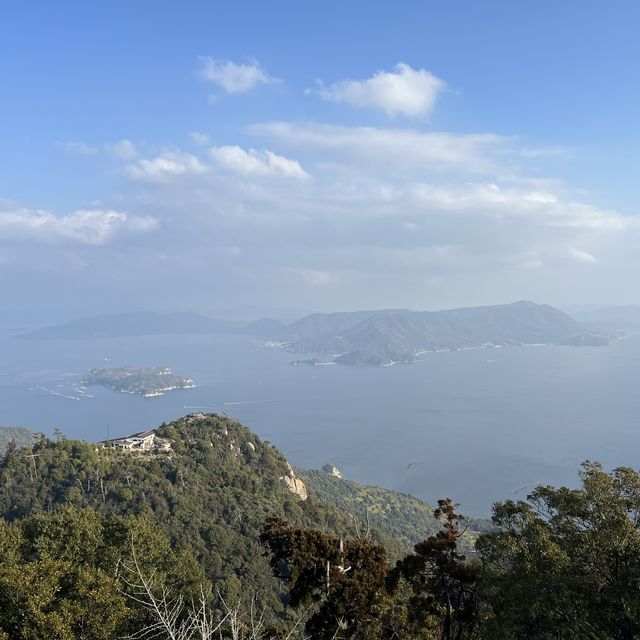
x=248 y=314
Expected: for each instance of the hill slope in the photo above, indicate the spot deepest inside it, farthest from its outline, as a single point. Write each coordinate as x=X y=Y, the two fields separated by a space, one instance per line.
x=397 y=515
x=318 y=324
x=212 y=492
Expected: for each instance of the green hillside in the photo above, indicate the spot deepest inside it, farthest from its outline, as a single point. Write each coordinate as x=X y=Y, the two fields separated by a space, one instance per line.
x=212 y=492
x=204 y=498
x=397 y=515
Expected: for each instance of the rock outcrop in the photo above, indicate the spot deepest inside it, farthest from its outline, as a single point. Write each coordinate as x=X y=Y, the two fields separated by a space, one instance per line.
x=294 y=484
x=332 y=470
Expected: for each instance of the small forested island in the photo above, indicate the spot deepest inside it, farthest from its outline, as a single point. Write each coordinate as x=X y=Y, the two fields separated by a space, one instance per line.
x=145 y=381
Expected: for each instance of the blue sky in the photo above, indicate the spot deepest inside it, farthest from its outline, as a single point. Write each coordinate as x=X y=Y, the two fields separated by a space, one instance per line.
x=325 y=155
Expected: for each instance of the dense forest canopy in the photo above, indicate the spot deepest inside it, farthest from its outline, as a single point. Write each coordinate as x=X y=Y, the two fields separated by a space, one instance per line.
x=65 y=574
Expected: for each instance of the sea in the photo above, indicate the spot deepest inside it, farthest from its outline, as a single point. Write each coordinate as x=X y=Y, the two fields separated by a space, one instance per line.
x=477 y=425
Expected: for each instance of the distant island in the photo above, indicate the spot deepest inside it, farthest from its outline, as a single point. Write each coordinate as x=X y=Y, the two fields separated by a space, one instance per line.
x=388 y=337
x=140 y=323
x=312 y=362
x=145 y=381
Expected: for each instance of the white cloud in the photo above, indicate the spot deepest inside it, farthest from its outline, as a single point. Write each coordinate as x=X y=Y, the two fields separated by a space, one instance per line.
x=165 y=167
x=85 y=226
x=483 y=195
x=251 y=162
x=404 y=91
x=123 y=149
x=171 y=165
x=234 y=77
x=392 y=150
x=493 y=199
x=388 y=214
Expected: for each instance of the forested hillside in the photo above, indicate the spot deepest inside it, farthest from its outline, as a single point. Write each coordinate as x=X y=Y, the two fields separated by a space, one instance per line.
x=214 y=536
x=562 y=565
x=212 y=493
x=69 y=575
x=398 y=515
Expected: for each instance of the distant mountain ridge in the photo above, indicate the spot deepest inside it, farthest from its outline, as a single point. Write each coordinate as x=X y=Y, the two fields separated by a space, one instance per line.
x=329 y=323
x=138 y=323
x=373 y=337
x=389 y=336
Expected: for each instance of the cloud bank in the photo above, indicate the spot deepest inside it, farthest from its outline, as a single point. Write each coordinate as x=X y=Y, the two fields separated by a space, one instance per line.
x=327 y=215
x=88 y=227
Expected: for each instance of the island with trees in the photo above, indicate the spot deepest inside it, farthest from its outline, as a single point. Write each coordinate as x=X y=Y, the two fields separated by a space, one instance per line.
x=145 y=381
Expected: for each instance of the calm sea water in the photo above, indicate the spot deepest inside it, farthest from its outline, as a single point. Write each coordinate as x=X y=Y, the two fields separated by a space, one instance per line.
x=476 y=425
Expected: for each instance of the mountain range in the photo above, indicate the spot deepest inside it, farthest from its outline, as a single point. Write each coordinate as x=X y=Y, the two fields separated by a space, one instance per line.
x=384 y=337
x=375 y=337
x=139 y=323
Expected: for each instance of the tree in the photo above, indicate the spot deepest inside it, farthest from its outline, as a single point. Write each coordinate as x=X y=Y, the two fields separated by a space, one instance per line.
x=566 y=563
x=172 y=618
x=341 y=582
x=444 y=597
x=60 y=574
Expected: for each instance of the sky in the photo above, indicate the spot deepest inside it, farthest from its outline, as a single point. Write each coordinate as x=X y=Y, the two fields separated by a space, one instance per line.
x=317 y=155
